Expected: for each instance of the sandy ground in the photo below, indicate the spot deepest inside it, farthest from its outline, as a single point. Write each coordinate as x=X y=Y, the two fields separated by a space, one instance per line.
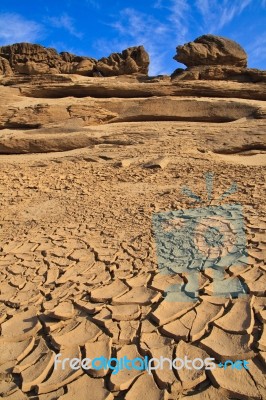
x=79 y=271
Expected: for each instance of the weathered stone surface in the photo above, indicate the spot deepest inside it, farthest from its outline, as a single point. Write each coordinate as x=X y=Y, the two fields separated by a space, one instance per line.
x=5 y=68
x=236 y=383
x=262 y=341
x=164 y=377
x=175 y=330
x=101 y=348
x=240 y=319
x=21 y=143
x=194 y=376
x=32 y=59
x=206 y=313
x=63 y=311
x=219 y=73
x=209 y=394
x=62 y=376
x=80 y=334
x=40 y=350
x=85 y=388
x=170 y=309
x=126 y=312
x=130 y=61
x=15 y=351
x=21 y=326
x=256 y=370
x=145 y=384
x=160 y=162
x=43 y=86
x=138 y=295
x=37 y=372
x=226 y=346
x=115 y=289
x=125 y=378
x=211 y=50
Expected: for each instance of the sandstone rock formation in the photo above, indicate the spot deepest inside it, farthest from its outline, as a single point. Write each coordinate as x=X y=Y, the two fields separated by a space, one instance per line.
x=5 y=68
x=31 y=59
x=211 y=50
x=130 y=61
x=211 y=57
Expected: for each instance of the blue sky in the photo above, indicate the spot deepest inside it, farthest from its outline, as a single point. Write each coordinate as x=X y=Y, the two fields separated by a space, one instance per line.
x=97 y=28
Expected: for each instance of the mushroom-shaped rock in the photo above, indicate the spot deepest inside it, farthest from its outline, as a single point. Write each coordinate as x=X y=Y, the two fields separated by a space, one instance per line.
x=211 y=50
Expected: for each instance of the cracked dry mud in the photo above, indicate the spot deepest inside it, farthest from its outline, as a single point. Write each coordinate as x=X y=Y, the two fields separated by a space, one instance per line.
x=79 y=273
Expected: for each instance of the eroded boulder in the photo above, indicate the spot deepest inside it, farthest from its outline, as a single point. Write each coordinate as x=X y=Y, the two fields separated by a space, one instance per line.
x=5 y=68
x=130 y=61
x=211 y=50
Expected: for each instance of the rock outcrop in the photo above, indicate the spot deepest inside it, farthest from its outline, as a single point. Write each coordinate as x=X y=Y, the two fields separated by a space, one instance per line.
x=211 y=57
x=32 y=59
x=211 y=50
x=66 y=98
x=5 y=68
x=130 y=61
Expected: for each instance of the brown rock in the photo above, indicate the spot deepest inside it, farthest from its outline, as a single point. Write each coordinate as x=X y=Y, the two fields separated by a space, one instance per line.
x=101 y=348
x=43 y=143
x=37 y=373
x=240 y=319
x=78 y=335
x=124 y=378
x=169 y=310
x=61 y=377
x=235 y=383
x=21 y=326
x=160 y=162
x=138 y=295
x=190 y=377
x=164 y=377
x=32 y=59
x=43 y=86
x=33 y=357
x=210 y=393
x=226 y=346
x=126 y=312
x=5 y=68
x=17 y=395
x=220 y=73
x=153 y=340
x=15 y=351
x=115 y=289
x=175 y=330
x=256 y=370
x=206 y=313
x=211 y=50
x=145 y=384
x=64 y=311
x=130 y=61
x=87 y=388
x=262 y=341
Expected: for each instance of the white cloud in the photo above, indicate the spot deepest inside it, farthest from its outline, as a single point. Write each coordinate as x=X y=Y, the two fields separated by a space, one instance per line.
x=218 y=13
x=137 y=28
x=14 y=28
x=257 y=50
x=93 y=3
x=64 y=21
x=179 y=17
